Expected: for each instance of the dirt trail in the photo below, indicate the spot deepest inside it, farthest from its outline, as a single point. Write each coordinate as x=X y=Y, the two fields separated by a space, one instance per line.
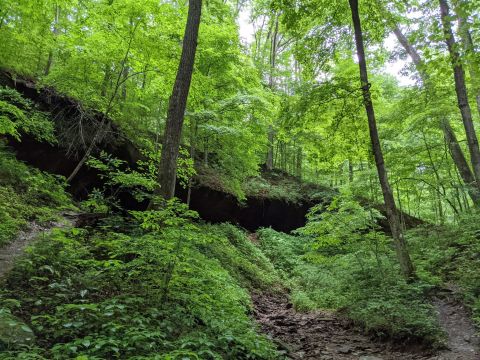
x=462 y=343
x=324 y=335
x=10 y=252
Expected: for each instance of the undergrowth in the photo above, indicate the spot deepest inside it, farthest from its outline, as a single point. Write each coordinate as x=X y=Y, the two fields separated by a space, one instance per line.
x=27 y=194
x=279 y=185
x=451 y=258
x=166 y=288
x=340 y=261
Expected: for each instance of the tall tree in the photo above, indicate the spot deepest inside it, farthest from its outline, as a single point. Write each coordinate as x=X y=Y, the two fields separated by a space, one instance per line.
x=456 y=152
x=55 y=33
x=391 y=209
x=464 y=30
x=271 y=84
x=167 y=173
x=461 y=89
x=460 y=161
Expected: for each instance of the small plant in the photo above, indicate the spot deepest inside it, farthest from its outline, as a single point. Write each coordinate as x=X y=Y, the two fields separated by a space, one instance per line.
x=18 y=114
x=27 y=194
x=116 y=295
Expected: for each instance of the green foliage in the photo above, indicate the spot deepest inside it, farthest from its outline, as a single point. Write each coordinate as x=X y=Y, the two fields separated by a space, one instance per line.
x=140 y=182
x=268 y=185
x=185 y=168
x=170 y=293
x=446 y=256
x=27 y=194
x=340 y=263
x=276 y=185
x=19 y=114
x=342 y=226
x=159 y=285
x=283 y=250
x=13 y=332
x=118 y=178
x=241 y=258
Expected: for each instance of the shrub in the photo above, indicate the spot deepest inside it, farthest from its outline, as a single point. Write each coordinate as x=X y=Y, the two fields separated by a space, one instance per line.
x=167 y=292
x=27 y=194
x=341 y=262
x=18 y=114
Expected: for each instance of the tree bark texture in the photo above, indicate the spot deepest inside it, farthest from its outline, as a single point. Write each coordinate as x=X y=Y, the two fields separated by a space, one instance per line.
x=456 y=151
x=461 y=89
x=177 y=104
x=391 y=209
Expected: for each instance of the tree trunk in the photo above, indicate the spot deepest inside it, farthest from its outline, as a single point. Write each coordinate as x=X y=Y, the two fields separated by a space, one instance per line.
x=106 y=80
x=100 y=133
x=178 y=101
x=55 y=33
x=411 y=51
x=461 y=89
x=271 y=138
x=193 y=137
x=460 y=162
x=271 y=84
x=299 y=162
x=464 y=30
x=391 y=209
x=350 y=171
x=124 y=82
x=456 y=151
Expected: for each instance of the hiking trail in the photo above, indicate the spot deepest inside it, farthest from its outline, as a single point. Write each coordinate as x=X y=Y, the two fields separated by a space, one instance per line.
x=326 y=336
x=15 y=249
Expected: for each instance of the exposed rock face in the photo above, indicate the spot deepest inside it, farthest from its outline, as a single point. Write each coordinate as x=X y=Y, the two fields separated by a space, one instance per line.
x=62 y=158
x=216 y=206
x=212 y=205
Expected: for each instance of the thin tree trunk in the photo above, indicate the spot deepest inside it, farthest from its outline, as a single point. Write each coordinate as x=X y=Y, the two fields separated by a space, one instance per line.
x=178 y=101
x=461 y=163
x=299 y=162
x=350 y=171
x=464 y=30
x=411 y=51
x=124 y=82
x=205 y=152
x=391 y=209
x=106 y=80
x=283 y=156
x=461 y=89
x=144 y=79
x=100 y=133
x=455 y=150
x=271 y=138
x=193 y=136
x=271 y=84
x=55 y=33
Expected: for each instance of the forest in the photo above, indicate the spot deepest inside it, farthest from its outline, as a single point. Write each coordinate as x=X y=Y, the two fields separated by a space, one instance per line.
x=240 y=179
